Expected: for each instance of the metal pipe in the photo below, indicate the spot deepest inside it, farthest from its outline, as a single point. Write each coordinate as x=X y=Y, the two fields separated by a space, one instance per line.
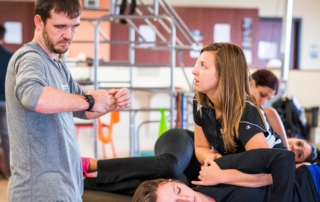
x=101 y=32
x=156 y=7
x=151 y=25
x=286 y=43
x=95 y=84
x=179 y=23
x=112 y=7
x=132 y=114
x=173 y=64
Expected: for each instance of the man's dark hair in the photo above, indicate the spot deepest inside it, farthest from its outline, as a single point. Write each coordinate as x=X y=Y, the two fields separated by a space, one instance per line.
x=2 y=31
x=43 y=7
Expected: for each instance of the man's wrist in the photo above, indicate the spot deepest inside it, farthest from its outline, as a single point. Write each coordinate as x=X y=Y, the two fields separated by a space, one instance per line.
x=90 y=100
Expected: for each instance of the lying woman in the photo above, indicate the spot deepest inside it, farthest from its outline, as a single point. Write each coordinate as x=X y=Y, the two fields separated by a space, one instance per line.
x=289 y=184
x=174 y=158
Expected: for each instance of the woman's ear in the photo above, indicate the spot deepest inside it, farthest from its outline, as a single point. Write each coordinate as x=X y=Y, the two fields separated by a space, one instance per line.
x=252 y=82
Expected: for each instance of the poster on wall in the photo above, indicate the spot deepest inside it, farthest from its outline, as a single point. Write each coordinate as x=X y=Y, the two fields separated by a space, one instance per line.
x=314 y=51
x=221 y=33
x=147 y=34
x=267 y=50
x=13 y=33
x=197 y=36
x=247 y=39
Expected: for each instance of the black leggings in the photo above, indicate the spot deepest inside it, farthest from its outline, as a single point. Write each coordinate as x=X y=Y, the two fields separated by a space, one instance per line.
x=173 y=152
x=174 y=158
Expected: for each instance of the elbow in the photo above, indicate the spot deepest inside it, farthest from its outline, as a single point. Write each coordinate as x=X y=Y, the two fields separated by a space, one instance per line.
x=169 y=166
x=42 y=108
x=200 y=157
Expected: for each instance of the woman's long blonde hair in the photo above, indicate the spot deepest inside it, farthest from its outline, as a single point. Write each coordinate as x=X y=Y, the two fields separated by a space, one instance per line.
x=233 y=87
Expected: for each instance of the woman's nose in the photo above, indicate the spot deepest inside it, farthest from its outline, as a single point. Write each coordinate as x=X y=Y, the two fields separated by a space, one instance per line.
x=195 y=70
x=262 y=101
x=184 y=198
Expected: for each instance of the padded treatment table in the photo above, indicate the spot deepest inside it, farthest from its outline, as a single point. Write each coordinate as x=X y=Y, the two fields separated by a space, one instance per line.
x=100 y=196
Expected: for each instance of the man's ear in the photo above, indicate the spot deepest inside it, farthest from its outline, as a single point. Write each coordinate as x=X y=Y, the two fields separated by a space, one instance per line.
x=38 y=22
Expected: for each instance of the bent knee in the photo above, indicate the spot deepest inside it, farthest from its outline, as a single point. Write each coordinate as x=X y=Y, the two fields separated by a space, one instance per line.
x=169 y=167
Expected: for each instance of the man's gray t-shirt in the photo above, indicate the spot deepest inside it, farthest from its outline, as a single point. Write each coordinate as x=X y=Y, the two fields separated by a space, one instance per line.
x=45 y=155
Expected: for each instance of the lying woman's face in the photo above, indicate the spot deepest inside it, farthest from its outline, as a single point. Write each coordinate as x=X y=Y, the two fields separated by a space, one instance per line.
x=301 y=148
x=172 y=191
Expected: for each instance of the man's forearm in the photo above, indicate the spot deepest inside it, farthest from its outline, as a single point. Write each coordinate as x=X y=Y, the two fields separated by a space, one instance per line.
x=53 y=101
x=93 y=115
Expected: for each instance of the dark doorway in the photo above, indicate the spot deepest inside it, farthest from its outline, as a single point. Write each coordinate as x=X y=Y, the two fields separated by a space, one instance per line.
x=270 y=37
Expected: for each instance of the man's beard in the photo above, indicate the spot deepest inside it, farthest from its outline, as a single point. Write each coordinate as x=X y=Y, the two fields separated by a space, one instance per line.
x=50 y=44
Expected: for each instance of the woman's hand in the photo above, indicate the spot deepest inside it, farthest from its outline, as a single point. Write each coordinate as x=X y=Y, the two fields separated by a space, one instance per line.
x=210 y=173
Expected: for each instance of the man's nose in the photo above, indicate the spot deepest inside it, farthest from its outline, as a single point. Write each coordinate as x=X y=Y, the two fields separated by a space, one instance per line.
x=68 y=33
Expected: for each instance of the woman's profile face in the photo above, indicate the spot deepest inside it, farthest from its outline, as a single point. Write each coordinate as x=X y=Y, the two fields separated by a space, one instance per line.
x=173 y=191
x=205 y=74
x=301 y=148
x=262 y=93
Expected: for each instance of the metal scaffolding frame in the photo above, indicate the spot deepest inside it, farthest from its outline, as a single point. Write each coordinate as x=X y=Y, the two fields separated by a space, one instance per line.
x=173 y=44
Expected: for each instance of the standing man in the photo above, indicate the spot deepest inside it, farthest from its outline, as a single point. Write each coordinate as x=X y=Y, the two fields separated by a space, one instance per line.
x=5 y=56
x=42 y=99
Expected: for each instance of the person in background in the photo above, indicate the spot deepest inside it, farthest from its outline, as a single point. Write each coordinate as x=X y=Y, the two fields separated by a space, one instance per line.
x=263 y=86
x=42 y=101
x=5 y=56
x=305 y=152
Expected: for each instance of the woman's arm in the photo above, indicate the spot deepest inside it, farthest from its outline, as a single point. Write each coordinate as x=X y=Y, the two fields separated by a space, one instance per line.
x=202 y=147
x=257 y=141
x=277 y=124
x=235 y=177
x=211 y=174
